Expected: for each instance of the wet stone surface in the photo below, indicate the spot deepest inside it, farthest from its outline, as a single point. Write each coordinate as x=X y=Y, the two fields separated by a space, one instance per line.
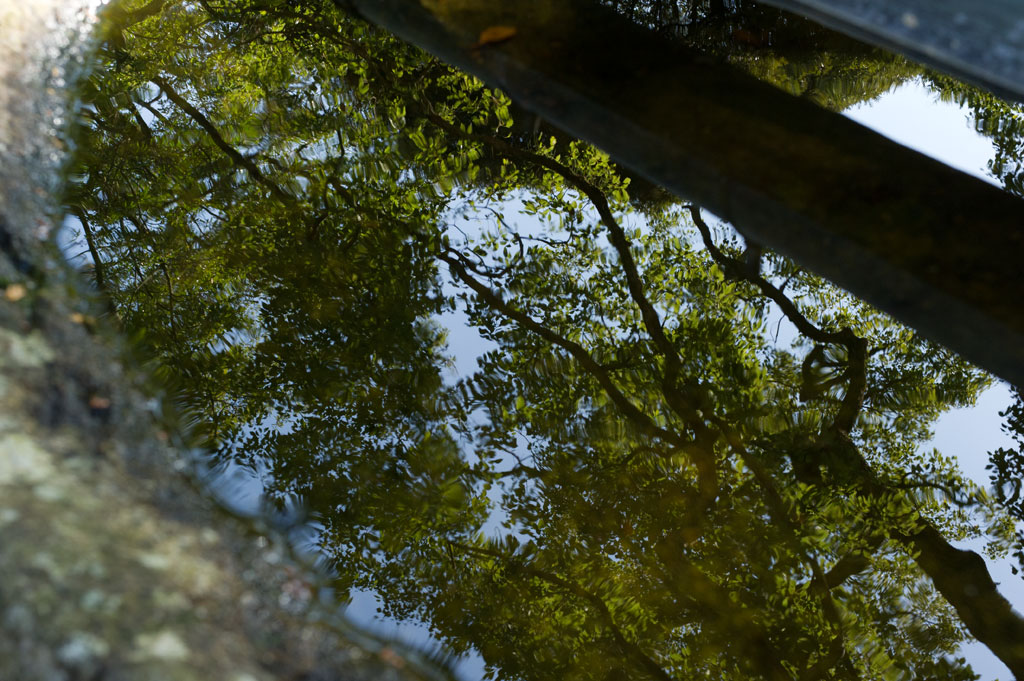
x=114 y=565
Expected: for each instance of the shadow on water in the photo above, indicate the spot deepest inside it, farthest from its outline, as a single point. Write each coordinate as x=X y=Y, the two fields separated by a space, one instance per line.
x=288 y=207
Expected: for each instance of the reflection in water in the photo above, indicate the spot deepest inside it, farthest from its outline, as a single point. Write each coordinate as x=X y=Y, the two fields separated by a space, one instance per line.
x=283 y=204
x=912 y=115
x=791 y=52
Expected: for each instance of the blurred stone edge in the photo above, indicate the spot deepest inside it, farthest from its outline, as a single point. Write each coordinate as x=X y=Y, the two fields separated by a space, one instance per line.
x=114 y=563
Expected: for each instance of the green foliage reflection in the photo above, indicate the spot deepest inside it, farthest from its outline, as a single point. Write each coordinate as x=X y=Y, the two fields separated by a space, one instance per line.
x=285 y=203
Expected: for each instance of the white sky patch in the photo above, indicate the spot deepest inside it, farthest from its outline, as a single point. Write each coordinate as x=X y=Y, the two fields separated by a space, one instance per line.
x=914 y=116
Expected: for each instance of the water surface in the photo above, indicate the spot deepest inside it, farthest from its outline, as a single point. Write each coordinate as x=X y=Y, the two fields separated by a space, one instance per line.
x=565 y=419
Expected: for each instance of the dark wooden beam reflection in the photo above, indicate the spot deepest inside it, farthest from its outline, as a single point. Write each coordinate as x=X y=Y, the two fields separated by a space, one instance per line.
x=934 y=247
x=982 y=42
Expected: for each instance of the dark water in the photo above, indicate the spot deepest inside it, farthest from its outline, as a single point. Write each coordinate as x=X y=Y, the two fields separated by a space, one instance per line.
x=562 y=417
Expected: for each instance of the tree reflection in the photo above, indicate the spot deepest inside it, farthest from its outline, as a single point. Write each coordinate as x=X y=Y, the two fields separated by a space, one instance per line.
x=283 y=202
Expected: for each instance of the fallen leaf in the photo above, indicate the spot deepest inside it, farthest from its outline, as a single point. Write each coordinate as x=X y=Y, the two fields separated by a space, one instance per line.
x=15 y=292
x=494 y=34
x=391 y=657
x=97 y=402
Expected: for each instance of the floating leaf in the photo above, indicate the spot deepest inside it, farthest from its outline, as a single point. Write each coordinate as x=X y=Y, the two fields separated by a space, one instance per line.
x=495 y=34
x=99 y=402
x=15 y=292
